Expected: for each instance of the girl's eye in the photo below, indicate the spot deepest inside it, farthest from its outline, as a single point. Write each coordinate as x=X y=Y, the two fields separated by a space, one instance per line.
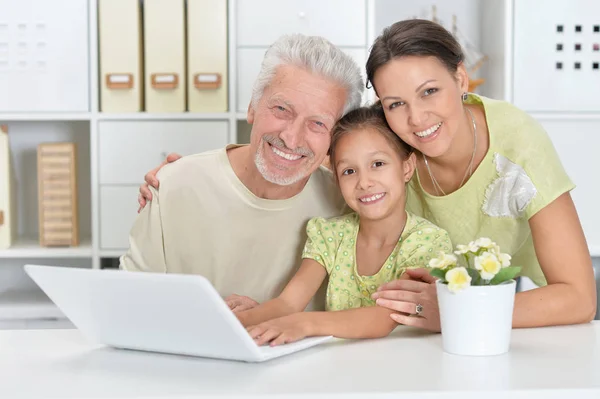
x=378 y=164
x=348 y=172
x=396 y=104
x=429 y=92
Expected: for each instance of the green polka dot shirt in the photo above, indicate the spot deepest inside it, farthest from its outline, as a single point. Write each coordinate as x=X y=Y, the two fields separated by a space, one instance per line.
x=332 y=243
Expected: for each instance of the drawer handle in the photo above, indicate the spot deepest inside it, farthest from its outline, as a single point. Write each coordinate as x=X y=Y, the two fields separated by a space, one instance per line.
x=207 y=81
x=165 y=80
x=302 y=14
x=1 y=218
x=119 y=80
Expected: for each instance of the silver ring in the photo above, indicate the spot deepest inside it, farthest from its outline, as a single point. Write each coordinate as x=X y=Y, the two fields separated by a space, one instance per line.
x=418 y=309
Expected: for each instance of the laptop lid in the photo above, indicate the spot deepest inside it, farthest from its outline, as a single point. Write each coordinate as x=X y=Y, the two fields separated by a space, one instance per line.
x=171 y=313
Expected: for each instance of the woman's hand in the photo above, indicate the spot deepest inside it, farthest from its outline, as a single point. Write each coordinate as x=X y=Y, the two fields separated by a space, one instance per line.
x=405 y=296
x=282 y=330
x=150 y=179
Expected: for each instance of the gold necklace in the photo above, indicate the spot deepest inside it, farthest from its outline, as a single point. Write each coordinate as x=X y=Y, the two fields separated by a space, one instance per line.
x=469 y=170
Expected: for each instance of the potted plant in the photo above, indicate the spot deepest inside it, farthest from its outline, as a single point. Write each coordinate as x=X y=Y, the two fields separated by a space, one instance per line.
x=476 y=293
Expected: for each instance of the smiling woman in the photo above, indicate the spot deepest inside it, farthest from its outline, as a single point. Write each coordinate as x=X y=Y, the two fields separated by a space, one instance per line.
x=484 y=168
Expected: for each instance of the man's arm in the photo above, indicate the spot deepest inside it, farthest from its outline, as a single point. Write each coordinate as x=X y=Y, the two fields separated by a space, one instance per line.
x=146 y=250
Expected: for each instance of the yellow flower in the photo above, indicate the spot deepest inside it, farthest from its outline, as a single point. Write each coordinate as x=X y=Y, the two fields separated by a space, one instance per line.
x=488 y=265
x=458 y=279
x=442 y=261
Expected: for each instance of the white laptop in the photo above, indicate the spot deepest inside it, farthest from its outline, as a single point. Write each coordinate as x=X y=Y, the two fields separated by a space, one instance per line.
x=169 y=313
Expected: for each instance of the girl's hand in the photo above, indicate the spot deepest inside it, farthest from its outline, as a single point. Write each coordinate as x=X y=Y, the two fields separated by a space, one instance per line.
x=403 y=296
x=283 y=330
x=150 y=179
x=239 y=303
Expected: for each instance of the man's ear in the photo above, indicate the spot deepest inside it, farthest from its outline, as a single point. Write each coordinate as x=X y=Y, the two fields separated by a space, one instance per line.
x=409 y=166
x=250 y=114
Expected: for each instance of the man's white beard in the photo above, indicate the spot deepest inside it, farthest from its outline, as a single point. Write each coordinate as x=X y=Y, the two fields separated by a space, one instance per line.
x=261 y=165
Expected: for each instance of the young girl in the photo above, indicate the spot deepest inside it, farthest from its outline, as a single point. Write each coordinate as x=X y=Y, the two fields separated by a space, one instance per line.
x=359 y=251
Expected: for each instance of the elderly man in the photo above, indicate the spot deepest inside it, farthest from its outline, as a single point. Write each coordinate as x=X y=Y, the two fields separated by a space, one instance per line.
x=237 y=215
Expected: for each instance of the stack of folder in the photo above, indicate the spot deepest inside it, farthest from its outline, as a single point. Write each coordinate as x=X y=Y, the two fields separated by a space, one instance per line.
x=161 y=57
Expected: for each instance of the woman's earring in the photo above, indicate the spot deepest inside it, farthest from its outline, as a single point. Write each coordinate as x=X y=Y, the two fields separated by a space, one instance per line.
x=465 y=96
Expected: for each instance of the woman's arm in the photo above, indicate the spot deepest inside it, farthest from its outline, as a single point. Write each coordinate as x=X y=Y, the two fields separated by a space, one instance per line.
x=560 y=246
x=294 y=298
x=561 y=249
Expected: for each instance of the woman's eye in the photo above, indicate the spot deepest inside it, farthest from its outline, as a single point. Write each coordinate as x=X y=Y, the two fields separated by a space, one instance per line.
x=396 y=104
x=348 y=172
x=429 y=92
x=378 y=164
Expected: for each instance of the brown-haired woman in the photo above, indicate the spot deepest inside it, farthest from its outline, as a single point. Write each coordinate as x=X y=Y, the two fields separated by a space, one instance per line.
x=484 y=169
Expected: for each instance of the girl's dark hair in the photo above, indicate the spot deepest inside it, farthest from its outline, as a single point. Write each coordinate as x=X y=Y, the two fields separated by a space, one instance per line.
x=414 y=37
x=371 y=117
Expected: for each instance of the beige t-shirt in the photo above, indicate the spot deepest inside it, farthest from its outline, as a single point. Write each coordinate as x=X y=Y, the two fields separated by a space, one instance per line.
x=203 y=220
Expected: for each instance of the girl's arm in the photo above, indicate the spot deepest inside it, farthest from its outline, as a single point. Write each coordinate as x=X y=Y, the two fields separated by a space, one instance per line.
x=294 y=298
x=371 y=322
x=570 y=296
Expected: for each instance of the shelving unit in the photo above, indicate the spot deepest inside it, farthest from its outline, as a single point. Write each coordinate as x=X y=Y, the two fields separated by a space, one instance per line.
x=29 y=247
x=490 y=27
x=19 y=298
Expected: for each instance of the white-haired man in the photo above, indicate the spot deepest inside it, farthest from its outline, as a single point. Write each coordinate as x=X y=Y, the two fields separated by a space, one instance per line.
x=237 y=215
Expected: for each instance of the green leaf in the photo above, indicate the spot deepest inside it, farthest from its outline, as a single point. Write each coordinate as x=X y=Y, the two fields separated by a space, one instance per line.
x=475 y=277
x=439 y=273
x=505 y=274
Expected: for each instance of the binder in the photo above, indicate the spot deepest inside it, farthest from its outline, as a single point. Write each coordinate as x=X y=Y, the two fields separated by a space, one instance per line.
x=164 y=55
x=7 y=195
x=57 y=194
x=207 y=55
x=120 y=36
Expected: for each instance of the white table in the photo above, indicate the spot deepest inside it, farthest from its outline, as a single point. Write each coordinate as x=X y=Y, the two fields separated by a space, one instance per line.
x=556 y=362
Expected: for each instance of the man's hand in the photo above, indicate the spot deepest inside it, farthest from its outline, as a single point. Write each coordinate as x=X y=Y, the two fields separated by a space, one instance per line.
x=238 y=303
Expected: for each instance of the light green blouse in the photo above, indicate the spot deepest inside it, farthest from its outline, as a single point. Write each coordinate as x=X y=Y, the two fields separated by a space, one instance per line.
x=332 y=243
x=520 y=174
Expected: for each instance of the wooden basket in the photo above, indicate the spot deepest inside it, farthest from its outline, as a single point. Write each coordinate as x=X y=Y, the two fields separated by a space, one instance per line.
x=57 y=194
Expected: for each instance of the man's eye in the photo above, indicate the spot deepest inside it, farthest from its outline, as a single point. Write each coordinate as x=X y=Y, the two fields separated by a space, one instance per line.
x=280 y=108
x=348 y=172
x=320 y=124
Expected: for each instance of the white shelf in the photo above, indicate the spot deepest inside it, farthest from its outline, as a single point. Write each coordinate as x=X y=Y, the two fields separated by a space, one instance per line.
x=166 y=116
x=29 y=248
x=27 y=305
x=84 y=116
x=567 y=116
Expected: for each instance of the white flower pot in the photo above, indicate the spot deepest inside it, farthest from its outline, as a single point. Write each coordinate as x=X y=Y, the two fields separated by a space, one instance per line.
x=477 y=321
